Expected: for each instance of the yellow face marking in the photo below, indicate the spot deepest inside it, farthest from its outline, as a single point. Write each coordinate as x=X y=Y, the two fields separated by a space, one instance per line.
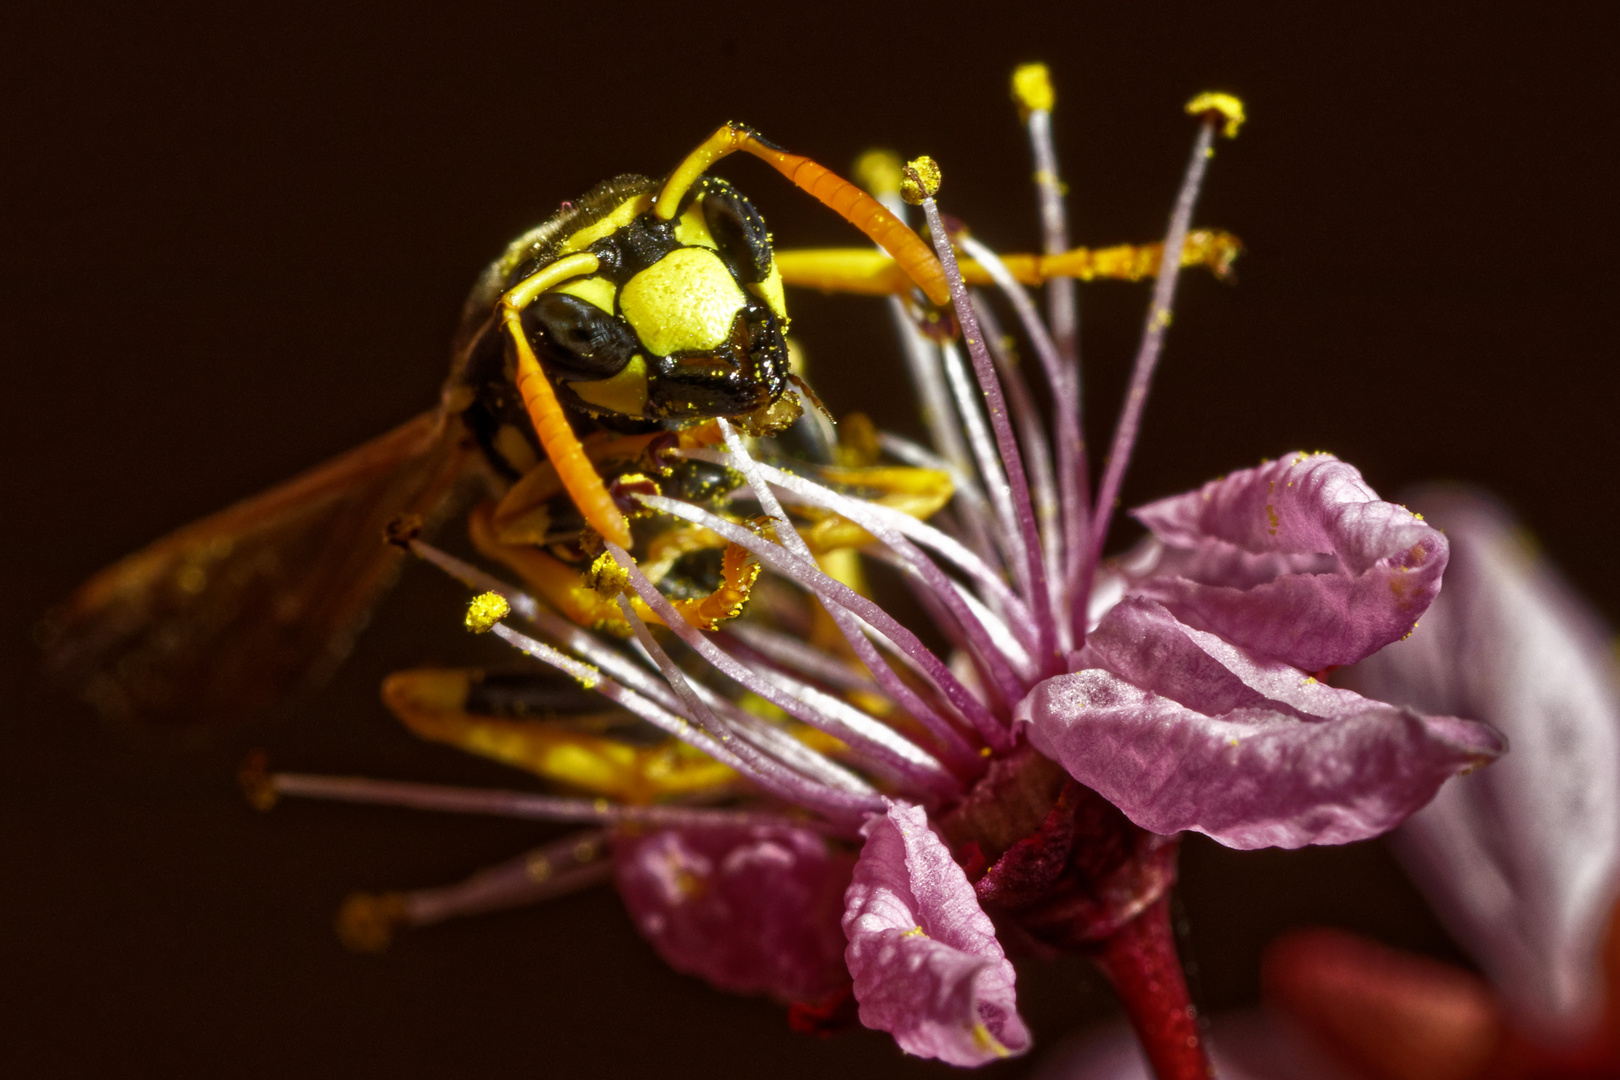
x=770 y=291
x=593 y=290
x=618 y=218
x=692 y=229
x=686 y=300
x=624 y=393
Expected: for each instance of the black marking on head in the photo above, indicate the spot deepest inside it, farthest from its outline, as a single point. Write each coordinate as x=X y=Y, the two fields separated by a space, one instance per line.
x=630 y=250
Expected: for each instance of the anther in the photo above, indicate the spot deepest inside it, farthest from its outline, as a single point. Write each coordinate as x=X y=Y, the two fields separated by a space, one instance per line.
x=485 y=611
x=606 y=577
x=1032 y=89
x=402 y=530
x=257 y=785
x=879 y=172
x=1225 y=106
x=366 y=921
x=921 y=178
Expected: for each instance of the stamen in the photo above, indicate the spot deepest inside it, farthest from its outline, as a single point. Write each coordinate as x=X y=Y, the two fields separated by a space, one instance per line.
x=520 y=804
x=975 y=508
x=1147 y=355
x=840 y=600
x=1036 y=594
x=859 y=735
x=793 y=653
x=769 y=773
x=1009 y=537
x=914 y=560
x=367 y=921
x=846 y=603
x=1033 y=90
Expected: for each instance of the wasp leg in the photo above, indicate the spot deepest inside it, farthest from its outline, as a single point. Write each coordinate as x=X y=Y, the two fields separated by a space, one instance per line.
x=849 y=202
x=367 y=922
x=539 y=723
x=565 y=588
x=861 y=270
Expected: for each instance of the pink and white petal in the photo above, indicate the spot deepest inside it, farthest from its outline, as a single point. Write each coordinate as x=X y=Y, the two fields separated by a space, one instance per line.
x=1298 y=559
x=924 y=956
x=750 y=911
x=1252 y=776
x=1521 y=860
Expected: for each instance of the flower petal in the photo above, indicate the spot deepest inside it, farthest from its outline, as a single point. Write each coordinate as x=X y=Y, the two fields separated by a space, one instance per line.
x=1521 y=860
x=1298 y=559
x=927 y=966
x=1182 y=730
x=750 y=910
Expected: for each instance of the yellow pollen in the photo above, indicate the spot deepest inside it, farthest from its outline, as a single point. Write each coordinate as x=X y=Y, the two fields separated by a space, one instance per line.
x=915 y=931
x=878 y=171
x=485 y=611
x=1229 y=107
x=922 y=179
x=1032 y=89
x=606 y=577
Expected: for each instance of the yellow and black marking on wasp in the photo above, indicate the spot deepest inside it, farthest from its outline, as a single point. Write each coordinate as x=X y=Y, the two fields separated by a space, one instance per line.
x=610 y=333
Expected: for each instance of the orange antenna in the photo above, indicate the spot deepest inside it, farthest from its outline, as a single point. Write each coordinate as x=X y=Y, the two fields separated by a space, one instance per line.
x=839 y=195
x=557 y=436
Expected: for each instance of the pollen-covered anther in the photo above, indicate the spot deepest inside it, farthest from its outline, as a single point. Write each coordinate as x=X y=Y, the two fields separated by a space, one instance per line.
x=1032 y=89
x=880 y=172
x=257 y=786
x=606 y=577
x=485 y=611
x=920 y=180
x=366 y=922
x=1226 y=106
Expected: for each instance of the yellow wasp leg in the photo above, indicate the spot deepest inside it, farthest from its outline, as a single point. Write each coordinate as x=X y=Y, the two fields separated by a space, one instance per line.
x=917 y=492
x=432 y=703
x=861 y=270
x=914 y=258
x=557 y=437
x=520 y=516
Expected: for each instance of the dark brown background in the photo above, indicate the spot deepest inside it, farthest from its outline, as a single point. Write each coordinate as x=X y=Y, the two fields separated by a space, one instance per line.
x=235 y=244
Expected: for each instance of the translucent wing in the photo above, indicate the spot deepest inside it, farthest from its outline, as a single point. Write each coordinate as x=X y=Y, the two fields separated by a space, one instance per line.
x=230 y=613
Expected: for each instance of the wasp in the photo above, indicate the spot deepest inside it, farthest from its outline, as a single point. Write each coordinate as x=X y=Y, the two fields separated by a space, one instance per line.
x=609 y=333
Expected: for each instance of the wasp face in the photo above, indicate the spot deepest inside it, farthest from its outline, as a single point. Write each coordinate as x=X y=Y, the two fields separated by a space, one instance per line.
x=682 y=321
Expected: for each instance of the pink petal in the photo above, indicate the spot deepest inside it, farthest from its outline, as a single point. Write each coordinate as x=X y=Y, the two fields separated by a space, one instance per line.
x=1521 y=860
x=1182 y=730
x=749 y=910
x=927 y=966
x=1298 y=559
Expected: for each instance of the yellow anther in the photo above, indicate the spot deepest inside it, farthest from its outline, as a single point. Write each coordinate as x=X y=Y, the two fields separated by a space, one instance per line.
x=257 y=787
x=606 y=577
x=878 y=171
x=366 y=922
x=1032 y=89
x=920 y=180
x=1225 y=104
x=485 y=611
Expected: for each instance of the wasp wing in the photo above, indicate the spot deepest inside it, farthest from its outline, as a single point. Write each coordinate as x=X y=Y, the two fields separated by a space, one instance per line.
x=230 y=613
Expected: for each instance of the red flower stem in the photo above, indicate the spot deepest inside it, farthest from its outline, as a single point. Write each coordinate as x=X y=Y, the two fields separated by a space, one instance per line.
x=1140 y=960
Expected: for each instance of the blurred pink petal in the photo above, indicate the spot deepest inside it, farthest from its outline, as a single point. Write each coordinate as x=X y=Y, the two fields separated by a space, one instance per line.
x=1298 y=559
x=1521 y=858
x=925 y=959
x=749 y=910
x=1182 y=730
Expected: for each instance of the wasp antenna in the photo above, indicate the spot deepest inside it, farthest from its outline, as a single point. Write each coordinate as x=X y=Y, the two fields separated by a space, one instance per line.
x=831 y=190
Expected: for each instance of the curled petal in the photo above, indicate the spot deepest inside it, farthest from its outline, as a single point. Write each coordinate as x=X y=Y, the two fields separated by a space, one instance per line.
x=1182 y=730
x=1522 y=859
x=927 y=966
x=1297 y=559
x=750 y=910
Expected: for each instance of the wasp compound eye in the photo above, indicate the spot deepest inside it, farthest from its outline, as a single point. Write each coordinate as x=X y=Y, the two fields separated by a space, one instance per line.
x=575 y=339
x=739 y=232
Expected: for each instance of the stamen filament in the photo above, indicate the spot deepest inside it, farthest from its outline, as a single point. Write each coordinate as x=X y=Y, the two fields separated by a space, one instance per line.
x=521 y=804
x=1147 y=355
x=841 y=599
x=1035 y=592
